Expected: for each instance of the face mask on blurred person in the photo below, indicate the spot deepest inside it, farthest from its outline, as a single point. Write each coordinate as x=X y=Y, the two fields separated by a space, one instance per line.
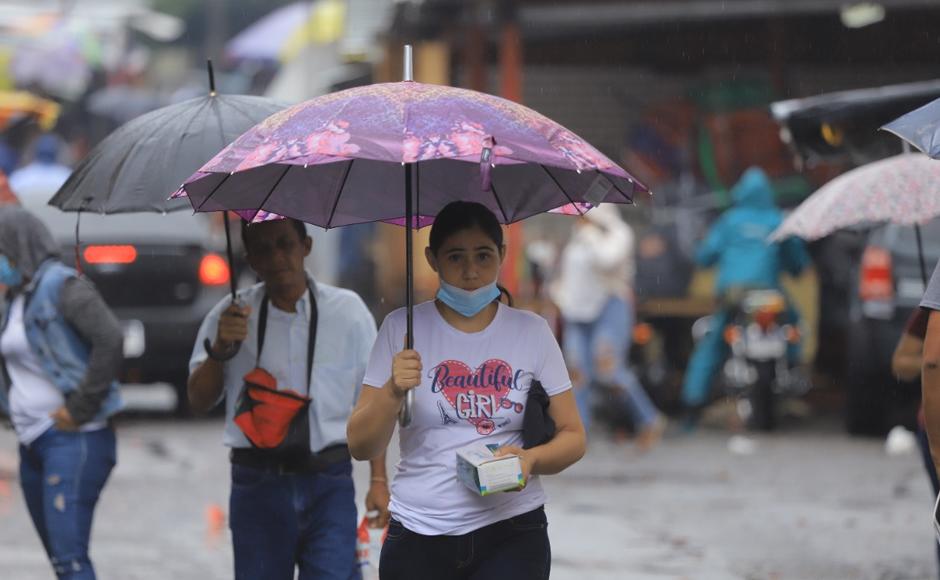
x=467 y=302
x=9 y=276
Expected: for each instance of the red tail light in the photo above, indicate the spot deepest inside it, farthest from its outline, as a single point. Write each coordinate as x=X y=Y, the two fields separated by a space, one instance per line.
x=765 y=318
x=110 y=254
x=876 y=281
x=214 y=270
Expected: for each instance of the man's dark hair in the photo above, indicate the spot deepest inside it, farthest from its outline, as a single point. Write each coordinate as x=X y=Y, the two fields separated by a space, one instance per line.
x=299 y=227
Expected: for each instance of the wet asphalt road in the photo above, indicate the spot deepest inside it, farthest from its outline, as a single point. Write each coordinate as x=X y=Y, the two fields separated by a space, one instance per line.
x=811 y=503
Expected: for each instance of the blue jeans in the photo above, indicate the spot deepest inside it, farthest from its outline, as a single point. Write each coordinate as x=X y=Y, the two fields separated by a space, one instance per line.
x=62 y=474
x=513 y=549
x=280 y=521
x=597 y=351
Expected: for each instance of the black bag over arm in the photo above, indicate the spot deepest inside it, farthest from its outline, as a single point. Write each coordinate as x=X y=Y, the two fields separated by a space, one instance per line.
x=537 y=425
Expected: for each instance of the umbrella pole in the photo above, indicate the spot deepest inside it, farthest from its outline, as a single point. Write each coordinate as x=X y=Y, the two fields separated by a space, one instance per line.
x=78 y=242
x=78 y=235
x=404 y=415
x=920 y=254
x=230 y=255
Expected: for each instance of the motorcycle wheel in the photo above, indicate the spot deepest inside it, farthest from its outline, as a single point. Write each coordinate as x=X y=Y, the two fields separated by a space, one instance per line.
x=763 y=411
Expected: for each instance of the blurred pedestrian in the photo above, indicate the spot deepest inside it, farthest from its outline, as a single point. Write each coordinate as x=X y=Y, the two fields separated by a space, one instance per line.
x=288 y=392
x=906 y=364
x=42 y=178
x=60 y=351
x=594 y=292
x=737 y=244
x=473 y=368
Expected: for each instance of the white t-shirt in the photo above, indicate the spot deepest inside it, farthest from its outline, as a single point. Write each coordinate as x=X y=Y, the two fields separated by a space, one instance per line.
x=33 y=397
x=474 y=389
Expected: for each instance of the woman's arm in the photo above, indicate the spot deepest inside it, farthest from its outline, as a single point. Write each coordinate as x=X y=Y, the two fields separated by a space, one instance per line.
x=372 y=422
x=565 y=448
x=85 y=310
x=907 y=360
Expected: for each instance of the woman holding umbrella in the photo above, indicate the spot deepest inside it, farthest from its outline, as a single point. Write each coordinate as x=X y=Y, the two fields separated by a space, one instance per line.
x=472 y=367
x=60 y=350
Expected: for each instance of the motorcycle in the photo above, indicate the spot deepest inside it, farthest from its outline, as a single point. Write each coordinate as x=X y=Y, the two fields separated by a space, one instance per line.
x=758 y=371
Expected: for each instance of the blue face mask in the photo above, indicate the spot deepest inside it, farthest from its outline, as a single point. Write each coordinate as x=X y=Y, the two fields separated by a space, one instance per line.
x=466 y=302
x=9 y=276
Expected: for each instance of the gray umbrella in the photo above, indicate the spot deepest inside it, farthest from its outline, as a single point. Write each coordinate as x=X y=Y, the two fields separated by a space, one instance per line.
x=920 y=128
x=138 y=166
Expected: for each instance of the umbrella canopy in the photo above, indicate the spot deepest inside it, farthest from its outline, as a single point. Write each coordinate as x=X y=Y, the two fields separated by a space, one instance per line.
x=901 y=190
x=342 y=159
x=280 y=35
x=842 y=125
x=15 y=105
x=400 y=152
x=904 y=190
x=136 y=166
x=920 y=128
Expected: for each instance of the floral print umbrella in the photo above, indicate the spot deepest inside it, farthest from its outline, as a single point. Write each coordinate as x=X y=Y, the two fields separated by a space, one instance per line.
x=342 y=159
x=904 y=190
x=400 y=152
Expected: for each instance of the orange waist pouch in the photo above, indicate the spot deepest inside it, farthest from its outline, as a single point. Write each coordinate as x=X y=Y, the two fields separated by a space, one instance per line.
x=272 y=418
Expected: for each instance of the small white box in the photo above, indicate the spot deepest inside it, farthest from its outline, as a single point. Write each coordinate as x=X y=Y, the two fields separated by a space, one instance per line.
x=485 y=473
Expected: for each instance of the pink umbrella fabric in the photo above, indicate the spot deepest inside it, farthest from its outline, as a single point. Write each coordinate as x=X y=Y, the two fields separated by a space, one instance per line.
x=341 y=159
x=904 y=189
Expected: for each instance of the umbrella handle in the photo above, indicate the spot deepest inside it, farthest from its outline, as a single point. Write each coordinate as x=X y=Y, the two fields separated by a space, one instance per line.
x=221 y=356
x=405 y=415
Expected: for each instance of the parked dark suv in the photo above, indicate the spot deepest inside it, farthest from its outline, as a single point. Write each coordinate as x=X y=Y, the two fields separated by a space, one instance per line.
x=160 y=273
x=887 y=287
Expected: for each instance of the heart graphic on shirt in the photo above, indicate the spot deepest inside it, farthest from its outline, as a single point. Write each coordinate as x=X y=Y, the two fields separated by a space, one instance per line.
x=476 y=394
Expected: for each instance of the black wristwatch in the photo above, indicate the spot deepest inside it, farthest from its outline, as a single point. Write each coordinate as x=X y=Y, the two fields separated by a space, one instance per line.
x=221 y=357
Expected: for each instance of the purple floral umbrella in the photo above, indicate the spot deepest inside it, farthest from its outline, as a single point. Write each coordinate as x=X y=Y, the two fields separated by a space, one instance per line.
x=400 y=152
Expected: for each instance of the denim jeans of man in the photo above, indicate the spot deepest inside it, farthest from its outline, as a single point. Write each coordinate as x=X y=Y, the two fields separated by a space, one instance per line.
x=513 y=549
x=62 y=474
x=283 y=521
x=597 y=351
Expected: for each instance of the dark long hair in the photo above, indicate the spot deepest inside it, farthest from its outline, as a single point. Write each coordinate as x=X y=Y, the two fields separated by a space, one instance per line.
x=464 y=215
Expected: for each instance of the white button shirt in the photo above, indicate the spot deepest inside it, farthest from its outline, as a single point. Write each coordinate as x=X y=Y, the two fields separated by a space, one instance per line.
x=345 y=334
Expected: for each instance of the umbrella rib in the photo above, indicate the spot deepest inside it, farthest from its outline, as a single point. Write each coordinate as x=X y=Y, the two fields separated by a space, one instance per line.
x=271 y=192
x=620 y=191
x=211 y=193
x=499 y=203
x=562 y=190
x=339 y=194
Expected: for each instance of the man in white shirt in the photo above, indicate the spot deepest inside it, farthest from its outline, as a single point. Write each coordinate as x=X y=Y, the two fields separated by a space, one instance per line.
x=288 y=509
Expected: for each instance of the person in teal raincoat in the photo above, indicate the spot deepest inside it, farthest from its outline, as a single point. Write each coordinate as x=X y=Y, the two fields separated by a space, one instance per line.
x=738 y=246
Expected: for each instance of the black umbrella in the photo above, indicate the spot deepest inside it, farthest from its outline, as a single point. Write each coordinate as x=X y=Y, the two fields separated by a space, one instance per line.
x=843 y=125
x=140 y=164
